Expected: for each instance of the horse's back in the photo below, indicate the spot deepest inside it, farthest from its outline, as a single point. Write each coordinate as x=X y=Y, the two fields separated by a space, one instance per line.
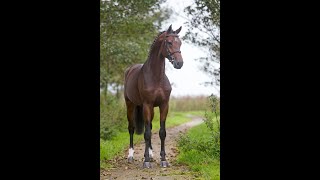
x=131 y=91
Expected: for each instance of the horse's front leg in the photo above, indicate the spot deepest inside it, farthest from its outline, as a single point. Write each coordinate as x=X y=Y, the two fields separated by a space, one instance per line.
x=147 y=114
x=162 y=133
x=150 y=144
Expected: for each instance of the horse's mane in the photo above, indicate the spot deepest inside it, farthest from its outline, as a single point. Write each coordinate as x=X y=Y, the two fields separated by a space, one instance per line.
x=155 y=39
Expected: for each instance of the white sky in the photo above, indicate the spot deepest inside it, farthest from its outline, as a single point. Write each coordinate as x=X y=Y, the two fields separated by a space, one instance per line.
x=188 y=79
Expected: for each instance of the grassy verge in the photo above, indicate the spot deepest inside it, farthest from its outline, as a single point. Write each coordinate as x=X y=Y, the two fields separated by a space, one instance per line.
x=175 y=118
x=110 y=148
x=196 y=157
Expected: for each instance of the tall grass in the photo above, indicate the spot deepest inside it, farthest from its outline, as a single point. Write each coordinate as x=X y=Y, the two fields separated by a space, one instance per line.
x=188 y=103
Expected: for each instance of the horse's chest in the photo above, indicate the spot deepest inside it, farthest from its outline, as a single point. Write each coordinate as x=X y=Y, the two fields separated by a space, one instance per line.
x=157 y=95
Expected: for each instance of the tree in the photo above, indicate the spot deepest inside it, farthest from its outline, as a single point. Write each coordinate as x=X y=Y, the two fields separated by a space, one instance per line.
x=204 y=31
x=127 y=29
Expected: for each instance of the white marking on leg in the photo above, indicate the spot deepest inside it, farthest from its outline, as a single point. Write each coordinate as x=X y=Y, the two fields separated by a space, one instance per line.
x=131 y=151
x=150 y=153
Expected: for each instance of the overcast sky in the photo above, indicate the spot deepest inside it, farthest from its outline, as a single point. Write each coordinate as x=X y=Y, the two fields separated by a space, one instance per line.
x=189 y=79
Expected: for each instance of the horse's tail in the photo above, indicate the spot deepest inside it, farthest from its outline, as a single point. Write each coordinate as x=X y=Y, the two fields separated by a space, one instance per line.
x=138 y=118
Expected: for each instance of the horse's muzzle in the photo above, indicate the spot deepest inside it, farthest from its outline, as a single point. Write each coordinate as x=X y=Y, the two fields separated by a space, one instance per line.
x=177 y=64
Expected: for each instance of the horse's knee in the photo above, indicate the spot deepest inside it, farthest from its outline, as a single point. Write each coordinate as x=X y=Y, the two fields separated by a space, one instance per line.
x=147 y=134
x=162 y=133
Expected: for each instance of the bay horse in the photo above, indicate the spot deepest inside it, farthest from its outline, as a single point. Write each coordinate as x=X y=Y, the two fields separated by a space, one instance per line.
x=146 y=86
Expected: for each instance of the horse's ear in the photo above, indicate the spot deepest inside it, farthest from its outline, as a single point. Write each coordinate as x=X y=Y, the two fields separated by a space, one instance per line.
x=170 y=29
x=178 y=30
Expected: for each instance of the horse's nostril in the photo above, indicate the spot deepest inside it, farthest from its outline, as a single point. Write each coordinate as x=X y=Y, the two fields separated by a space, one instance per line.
x=178 y=64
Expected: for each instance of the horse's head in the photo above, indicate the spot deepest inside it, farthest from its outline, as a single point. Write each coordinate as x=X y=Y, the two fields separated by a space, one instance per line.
x=171 y=48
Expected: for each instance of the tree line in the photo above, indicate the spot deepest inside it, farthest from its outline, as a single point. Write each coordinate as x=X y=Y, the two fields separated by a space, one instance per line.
x=127 y=29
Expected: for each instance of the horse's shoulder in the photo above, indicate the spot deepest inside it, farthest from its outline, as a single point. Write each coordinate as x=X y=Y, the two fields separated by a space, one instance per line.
x=131 y=68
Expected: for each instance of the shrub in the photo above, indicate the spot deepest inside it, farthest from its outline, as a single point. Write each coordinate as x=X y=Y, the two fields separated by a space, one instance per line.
x=212 y=120
x=210 y=145
x=113 y=116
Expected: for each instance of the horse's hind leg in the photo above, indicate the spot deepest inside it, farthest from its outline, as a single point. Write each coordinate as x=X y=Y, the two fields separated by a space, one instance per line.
x=162 y=133
x=130 y=116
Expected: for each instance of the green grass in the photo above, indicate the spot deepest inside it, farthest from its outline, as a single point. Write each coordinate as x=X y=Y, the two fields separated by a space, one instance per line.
x=175 y=118
x=110 y=148
x=196 y=159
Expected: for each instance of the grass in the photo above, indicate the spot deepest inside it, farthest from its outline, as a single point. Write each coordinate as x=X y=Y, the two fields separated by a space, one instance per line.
x=197 y=160
x=175 y=118
x=188 y=103
x=110 y=148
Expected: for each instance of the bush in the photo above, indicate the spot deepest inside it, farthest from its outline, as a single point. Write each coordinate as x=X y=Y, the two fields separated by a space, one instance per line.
x=113 y=116
x=212 y=120
x=210 y=145
x=197 y=152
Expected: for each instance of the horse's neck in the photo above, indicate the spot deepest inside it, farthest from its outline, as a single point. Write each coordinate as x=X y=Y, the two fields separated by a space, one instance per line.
x=155 y=65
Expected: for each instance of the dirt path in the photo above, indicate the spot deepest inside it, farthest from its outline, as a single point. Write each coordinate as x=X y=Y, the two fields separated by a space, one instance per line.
x=123 y=170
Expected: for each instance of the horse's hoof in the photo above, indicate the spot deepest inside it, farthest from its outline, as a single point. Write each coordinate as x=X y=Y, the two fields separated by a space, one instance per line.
x=164 y=164
x=146 y=165
x=130 y=159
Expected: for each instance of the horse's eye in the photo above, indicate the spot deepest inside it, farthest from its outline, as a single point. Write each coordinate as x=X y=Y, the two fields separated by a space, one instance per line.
x=170 y=43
